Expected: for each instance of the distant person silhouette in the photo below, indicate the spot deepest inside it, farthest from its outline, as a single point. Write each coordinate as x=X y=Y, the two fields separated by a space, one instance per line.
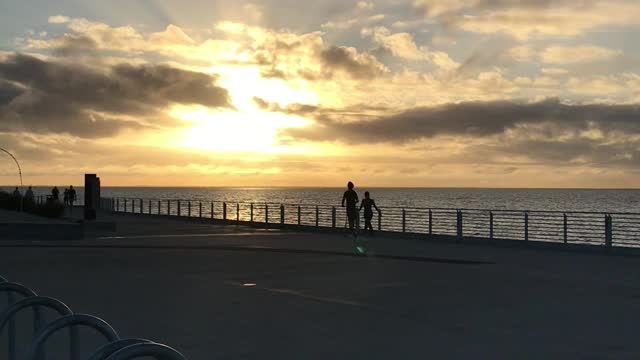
x=350 y=197
x=55 y=193
x=368 y=204
x=28 y=196
x=65 y=197
x=16 y=192
x=72 y=197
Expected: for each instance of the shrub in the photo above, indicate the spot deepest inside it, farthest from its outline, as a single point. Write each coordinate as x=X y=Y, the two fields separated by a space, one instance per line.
x=50 y=209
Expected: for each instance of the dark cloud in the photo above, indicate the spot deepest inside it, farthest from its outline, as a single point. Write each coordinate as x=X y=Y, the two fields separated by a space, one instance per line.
x=341 y=58
x=483 y=5
x=82 y=101
x=474 y=119
x=8 y=92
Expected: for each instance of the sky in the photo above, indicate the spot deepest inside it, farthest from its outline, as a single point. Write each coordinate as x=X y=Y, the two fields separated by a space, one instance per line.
x=415 y=93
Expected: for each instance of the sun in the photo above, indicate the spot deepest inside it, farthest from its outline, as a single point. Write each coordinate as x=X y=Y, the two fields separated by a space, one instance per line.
x=246 y=129
x=236 y=131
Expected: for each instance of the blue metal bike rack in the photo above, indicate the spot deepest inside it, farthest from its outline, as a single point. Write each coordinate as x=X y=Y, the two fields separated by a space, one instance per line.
x=11 y=289
x=74 y=320
x=109 y=349
x=35 y=302
x=158 y=351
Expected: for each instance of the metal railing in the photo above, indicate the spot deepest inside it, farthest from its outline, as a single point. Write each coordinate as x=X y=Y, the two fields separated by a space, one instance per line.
x=568 y=227
x=114 y=349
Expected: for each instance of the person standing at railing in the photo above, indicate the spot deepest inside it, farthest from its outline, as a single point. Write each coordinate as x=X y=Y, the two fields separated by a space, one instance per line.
x=368 y=204
x=350 y=197
x=72 y=198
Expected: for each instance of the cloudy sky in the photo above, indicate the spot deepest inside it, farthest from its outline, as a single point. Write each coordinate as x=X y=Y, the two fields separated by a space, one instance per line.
x=476 y=93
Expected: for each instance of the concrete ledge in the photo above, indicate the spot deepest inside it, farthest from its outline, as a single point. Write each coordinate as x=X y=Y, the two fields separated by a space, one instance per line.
x=40 y=231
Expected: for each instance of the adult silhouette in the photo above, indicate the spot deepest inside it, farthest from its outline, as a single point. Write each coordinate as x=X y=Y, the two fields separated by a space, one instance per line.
x=55 y=193
x=350 y=198
x=72 y=197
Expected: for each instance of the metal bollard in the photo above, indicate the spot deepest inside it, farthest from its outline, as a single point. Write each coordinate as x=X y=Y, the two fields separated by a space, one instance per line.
x=490 y=225
x=565 y=226
x=608 y=232
x=281 y=214
x=526 y=226
x=459 y=224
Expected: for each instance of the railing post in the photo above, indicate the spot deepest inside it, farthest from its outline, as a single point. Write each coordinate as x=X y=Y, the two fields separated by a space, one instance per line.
x=141 y=206
x=266 y=213
x=299 y=219
x=566 y=233
x=168 y=207
x=237 y=212
x=379 y=220
x=189 y=210
x=317 y=216
x=404 y=220
x=281 y=214
x=430 y=223
x=149 y=206
x=159 y=207
x=459 y=223
x=179 y=210
x=251 y=218
x=224 y=211
x=212 y=208
x=526 y=226
x=608 y=232
x=200 y=208
x=490 y=225
x=333 y=216
x=117 y=205
x=125 y=205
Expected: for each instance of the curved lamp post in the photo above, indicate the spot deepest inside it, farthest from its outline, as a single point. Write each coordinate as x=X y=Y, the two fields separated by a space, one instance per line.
x=19 y=173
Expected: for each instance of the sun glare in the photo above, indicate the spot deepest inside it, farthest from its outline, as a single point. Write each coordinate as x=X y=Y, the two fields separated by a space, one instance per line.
x=250 y=131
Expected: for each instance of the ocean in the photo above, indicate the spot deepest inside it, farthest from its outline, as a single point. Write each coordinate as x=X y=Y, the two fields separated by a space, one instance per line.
x=598 y=200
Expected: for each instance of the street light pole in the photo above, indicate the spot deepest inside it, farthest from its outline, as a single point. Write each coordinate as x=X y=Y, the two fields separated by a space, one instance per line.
x=19 y=173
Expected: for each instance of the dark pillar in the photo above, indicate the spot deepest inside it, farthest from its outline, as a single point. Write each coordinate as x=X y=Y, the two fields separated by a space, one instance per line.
x=91 y=196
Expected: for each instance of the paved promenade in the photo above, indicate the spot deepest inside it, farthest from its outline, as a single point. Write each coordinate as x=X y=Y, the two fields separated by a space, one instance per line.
x=227 y=292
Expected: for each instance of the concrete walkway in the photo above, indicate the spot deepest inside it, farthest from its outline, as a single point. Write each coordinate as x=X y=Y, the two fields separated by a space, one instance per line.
x=227 y=292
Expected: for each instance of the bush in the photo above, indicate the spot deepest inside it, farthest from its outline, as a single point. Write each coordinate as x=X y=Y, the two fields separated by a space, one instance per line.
x=50 y=209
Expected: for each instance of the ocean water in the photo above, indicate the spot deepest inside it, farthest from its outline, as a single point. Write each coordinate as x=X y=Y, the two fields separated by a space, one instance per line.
x=598 y=200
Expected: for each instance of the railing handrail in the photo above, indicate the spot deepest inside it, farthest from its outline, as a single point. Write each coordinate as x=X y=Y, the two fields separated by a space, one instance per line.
x=452 y=209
